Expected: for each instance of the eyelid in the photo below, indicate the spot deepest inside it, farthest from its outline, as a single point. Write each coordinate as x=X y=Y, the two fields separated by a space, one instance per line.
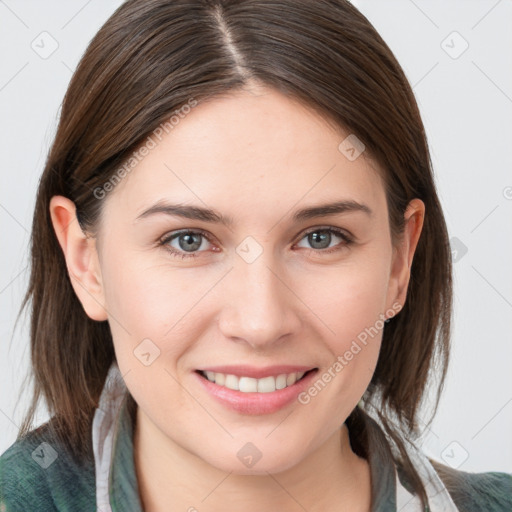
x=346 y=235
x=171 y=235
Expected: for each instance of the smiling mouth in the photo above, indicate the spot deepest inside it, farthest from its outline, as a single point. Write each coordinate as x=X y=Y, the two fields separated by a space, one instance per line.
x=251 y=385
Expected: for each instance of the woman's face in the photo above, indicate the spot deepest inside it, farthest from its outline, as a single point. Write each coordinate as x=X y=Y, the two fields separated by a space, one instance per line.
x=270 y=287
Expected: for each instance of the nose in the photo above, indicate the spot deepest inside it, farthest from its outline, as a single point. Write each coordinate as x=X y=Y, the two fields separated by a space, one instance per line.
x=259 y=307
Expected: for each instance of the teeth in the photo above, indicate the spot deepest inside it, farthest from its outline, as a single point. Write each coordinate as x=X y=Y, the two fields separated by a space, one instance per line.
x=291 y=378
x=250 y=385
x=281 y=382
x=231 y=382
x=266 y=385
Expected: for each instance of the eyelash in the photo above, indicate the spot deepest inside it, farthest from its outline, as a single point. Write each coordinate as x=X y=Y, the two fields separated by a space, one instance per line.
x=347 y=240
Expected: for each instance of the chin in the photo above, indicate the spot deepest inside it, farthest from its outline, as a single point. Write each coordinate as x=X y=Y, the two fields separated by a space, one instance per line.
x=243 y=465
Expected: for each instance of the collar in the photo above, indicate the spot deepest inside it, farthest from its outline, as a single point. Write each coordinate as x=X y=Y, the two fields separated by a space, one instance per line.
x=116 y=481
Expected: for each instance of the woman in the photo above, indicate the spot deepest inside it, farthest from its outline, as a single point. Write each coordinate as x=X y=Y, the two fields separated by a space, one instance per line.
x=241 y=276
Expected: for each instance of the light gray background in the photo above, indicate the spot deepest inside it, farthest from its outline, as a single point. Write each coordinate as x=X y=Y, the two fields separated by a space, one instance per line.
x=466 y=103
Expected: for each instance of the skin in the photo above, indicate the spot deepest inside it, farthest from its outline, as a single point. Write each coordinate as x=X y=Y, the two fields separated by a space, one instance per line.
x=256 y=156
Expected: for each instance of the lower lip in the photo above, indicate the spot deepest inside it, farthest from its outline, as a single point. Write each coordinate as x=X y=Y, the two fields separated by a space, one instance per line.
x=256 y=403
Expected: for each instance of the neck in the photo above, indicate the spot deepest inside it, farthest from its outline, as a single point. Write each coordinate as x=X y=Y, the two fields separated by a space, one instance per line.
x=332 y=477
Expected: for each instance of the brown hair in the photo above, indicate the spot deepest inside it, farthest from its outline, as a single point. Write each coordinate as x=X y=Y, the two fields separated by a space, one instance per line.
x=148 y=60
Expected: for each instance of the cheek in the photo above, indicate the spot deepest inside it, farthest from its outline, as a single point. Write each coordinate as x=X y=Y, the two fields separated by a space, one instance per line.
x=140 y=308
x=350 y=299
x=353 y=346
x=145 y=305
x=351 y=304
x=149 y=299
x=157 y=310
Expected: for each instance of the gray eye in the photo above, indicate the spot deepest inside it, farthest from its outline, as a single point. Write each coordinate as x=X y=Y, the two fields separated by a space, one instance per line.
x=188 y=241
x=321 y=238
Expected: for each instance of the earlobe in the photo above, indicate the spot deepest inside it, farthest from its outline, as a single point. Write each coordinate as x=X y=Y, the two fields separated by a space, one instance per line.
x=81 y=257
x=404 y=253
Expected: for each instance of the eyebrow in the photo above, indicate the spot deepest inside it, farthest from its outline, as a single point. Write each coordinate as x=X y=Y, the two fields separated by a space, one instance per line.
x=210 y=215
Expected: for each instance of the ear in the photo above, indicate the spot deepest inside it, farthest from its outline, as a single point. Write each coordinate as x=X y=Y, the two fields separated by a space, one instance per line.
x=404 y=253
x=81 y=257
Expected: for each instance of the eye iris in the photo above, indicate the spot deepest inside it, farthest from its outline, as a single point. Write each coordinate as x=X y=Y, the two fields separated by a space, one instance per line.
x=319 y=237
x=192 y=241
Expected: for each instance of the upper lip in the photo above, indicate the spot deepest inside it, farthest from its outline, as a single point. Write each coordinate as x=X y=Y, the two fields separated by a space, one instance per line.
x=254 y=372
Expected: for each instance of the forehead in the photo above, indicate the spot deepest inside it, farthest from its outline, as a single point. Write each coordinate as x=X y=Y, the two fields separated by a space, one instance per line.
x=248 y=152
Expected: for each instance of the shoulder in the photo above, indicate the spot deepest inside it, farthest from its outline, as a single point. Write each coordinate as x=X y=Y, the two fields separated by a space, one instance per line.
x=37 y=473
x=474 y=492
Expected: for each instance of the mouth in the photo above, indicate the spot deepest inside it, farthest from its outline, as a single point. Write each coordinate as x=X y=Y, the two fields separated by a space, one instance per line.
x=247 y=384
x=275 y=389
